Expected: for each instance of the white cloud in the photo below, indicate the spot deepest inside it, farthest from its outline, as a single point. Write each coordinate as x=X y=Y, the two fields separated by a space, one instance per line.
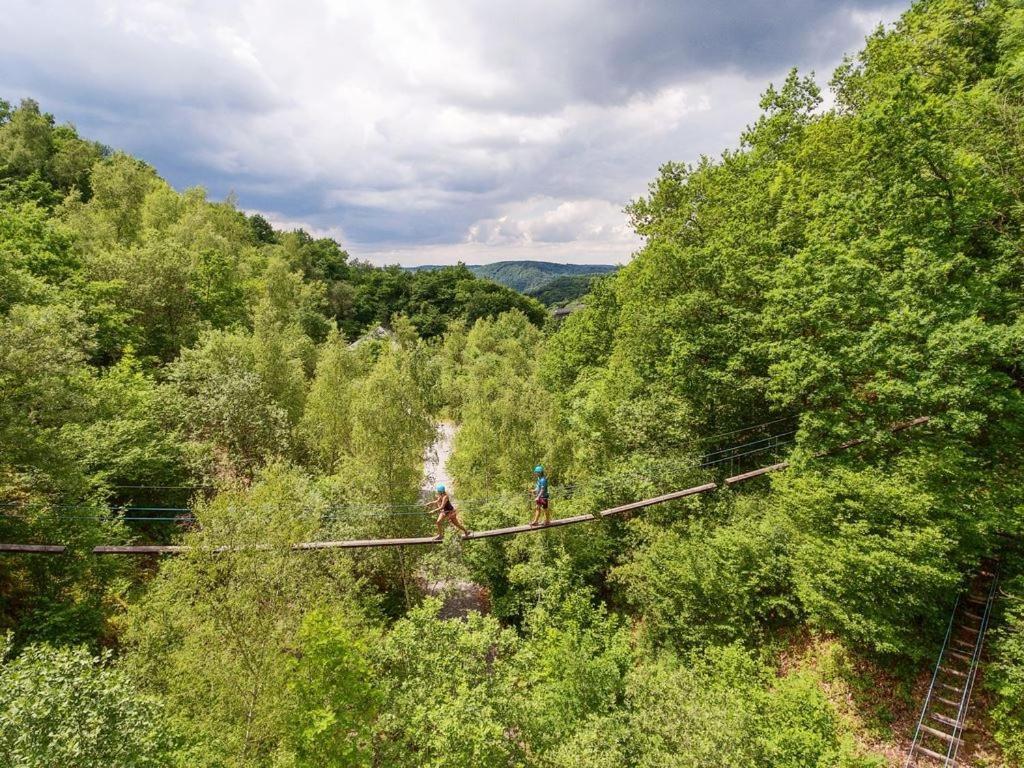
x=549 y=220
x=286 y=224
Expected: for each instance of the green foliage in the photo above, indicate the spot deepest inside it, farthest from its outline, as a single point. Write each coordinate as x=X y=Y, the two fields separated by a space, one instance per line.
x=1005 y=676
x=40 y=161
x=562 y=290
x=227 y=407
x=63 y=706
x=336 y=700
x=445 y=701
x=858 y=266
x=214 y=631
x=722 y=583
x=530 y=276
x=432 y=298
x=852 y=267
x=872 y=560
x=504 y=411
x=326 y=421
x=131 y=436
x=716 y=708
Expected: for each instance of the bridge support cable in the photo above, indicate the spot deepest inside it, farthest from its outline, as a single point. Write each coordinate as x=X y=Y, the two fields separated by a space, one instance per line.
x=938 y=737
x=156 y=549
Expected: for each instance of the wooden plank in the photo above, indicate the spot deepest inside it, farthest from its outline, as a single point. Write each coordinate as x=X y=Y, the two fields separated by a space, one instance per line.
x=37 y=549
x=142 y=549
x=756 y=473
x=861 y=440
x=952 y=723
x=839 y=448
x=588 y=517
x=173 y=549
x=495 y=532
x=941 y=734
x=364 y=543
x=658 y=499
x=935 y=755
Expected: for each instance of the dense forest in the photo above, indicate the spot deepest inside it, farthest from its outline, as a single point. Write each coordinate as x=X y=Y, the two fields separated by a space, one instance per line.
x=531 y=276
x=844 y=269
x=564 y=290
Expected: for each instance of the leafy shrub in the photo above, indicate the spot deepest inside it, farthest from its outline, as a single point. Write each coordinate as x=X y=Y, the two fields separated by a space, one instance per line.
x=64 y=706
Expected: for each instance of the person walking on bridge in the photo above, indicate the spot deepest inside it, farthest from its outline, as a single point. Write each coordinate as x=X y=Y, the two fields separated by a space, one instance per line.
x=444 y=509
x=540 y=497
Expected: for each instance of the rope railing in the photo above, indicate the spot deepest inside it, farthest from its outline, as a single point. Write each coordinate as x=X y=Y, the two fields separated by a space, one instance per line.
x=492 y=533
x=353 y=510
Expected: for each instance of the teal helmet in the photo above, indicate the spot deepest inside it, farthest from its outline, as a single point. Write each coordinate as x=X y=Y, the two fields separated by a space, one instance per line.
x=538 y=470
x=440 y=487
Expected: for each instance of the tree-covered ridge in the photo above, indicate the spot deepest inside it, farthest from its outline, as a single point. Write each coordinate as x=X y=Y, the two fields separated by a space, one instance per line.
x=841 y=271
x=563 y=290
x=173 y=264
x=531 y=276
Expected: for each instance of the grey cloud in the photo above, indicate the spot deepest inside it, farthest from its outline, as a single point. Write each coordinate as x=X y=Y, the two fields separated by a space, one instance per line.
x=410 y=126
x=604 y=51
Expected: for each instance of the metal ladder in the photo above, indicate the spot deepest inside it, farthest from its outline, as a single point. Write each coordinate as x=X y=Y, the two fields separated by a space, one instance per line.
x=939 y=733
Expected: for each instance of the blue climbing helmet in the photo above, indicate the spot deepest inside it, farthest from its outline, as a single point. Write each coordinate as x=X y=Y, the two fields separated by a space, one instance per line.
x=538 y=470
x=440 y=487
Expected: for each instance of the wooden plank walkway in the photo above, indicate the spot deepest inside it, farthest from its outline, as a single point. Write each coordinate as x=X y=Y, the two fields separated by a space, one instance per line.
x=40 y=549
x=157 y=549
x=371 y=543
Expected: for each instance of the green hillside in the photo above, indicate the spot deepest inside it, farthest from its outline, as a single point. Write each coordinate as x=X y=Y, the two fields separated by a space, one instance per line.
x=562 y=290
x=527 y=276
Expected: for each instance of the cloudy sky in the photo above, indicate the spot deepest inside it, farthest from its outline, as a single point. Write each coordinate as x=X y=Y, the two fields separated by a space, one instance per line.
x=423 y=131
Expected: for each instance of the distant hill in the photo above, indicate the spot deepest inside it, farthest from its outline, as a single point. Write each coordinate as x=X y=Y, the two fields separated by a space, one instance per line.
x=529 y=276
x=562 y=290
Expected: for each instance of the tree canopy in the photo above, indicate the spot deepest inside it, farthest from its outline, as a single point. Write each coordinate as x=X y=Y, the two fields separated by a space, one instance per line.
x=843 y=270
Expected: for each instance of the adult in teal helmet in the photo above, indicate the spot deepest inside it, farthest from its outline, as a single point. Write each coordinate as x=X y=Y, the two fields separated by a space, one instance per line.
x=443 y=508
x=540 y=497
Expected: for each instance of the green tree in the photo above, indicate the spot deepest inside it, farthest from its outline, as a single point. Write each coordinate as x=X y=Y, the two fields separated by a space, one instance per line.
x=64 y=706
x=222 y=635
x=704 y=582
x=336 y=697
x=504 y=410
x=327 y=420
x=1005 y=677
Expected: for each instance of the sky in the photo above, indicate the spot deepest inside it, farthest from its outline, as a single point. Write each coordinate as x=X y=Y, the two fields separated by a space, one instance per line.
x=424 y=132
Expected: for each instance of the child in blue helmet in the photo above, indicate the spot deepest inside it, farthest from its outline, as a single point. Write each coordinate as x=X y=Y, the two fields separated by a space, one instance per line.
x=540 y=497
x=444 y=509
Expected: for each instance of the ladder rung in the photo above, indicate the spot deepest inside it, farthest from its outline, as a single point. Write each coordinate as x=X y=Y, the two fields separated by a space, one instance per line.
x=951 y=687
x=972 y=615
x=934 y=755
x=958 y=655
x=948 y=702
x=941 y=734
x=947 y=721
x=965 y=644
x=974 y=600
x=968 y=629
x=952 y=671
x=986 y=573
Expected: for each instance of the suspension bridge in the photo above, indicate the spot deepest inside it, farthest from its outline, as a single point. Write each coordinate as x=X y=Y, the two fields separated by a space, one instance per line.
x=733 y=480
